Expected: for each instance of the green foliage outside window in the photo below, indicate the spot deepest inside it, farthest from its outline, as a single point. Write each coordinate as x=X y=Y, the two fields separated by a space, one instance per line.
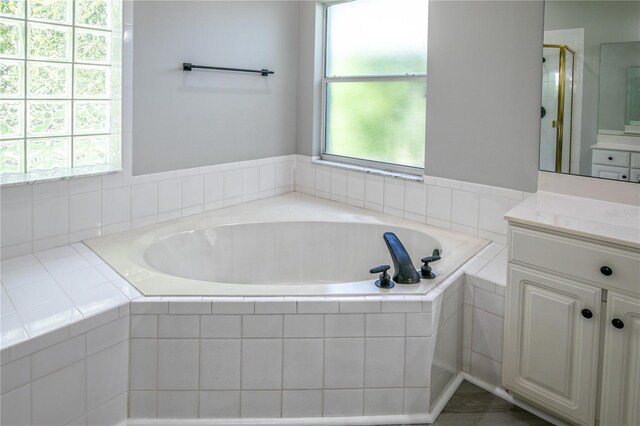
x=375 y=99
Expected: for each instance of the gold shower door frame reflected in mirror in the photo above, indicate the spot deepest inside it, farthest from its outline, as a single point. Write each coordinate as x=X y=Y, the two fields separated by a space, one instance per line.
x=559 y=122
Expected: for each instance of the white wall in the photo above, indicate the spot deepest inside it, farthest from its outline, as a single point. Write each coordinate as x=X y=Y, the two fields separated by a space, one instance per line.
x=309 y=78
x=198 y=118
x=483 y=92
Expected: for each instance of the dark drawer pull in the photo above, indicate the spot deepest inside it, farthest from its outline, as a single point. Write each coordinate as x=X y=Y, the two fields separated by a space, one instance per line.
x=610 y=158
x=587 y=313
x=606 y=271
x=617 y=323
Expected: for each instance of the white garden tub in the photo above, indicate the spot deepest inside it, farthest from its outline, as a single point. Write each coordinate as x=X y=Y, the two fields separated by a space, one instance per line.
x=290 y=245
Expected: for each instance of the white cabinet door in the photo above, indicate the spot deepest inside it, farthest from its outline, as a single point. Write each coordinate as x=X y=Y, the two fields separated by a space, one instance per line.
x=551 y=343
x=610 y=172
x=620 y=400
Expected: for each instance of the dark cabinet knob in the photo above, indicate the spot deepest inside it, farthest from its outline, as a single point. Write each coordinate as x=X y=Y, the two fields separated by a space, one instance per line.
x=617 y=323
x=624 y=176
x=610 y=158
x=606 y=271
x=587 y=313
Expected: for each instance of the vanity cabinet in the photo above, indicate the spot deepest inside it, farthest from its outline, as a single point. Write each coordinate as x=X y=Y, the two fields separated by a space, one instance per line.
x=551 y=339
x=621 y=362
x=572 y=321
x=615 y=164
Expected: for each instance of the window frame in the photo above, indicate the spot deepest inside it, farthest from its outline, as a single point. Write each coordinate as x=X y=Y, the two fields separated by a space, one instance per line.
x=114 y=97
x=355 y=161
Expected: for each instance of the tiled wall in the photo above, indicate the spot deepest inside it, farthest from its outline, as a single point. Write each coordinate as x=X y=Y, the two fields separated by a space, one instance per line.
x=82 y=380
x=484 y=305
x=253 y=357
x=447 y=359
x=247 y=357
x=460 y=206
x=44 y=215
x=305 y=357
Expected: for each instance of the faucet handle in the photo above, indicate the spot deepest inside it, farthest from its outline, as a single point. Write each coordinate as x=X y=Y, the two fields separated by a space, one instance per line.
x=378 y=269
x=384 y=280
x=425 y=270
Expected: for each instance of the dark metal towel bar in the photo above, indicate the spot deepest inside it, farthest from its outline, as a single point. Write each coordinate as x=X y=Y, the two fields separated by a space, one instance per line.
x=187 y=66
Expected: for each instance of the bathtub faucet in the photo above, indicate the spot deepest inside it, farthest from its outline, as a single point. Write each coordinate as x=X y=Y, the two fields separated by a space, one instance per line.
x=405 y=272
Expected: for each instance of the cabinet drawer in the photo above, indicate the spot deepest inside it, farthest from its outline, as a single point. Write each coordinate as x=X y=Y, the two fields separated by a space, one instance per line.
x=634 y=176
x=611 y=158
x=576 y=258
x=635 y=159
x=610 y=172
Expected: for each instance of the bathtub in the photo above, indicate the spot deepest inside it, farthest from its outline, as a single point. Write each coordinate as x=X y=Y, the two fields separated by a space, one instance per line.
x=290 y=245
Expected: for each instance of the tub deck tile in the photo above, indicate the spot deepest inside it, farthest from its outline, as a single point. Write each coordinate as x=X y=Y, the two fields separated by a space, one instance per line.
x=197 y=306
x=358 y=305
x=149 y=306
x=230 y=305
x=273 y=305
x=394 y=304
x=318 y=305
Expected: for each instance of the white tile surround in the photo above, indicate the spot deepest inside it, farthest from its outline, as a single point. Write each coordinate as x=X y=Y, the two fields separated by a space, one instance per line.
x=304 y=343
x=444 y=203
x=40 y=216
x=484 y=304
x=237 y=329
x=76 y=374
x=45 y=215
x=298 y=357
x=306 y=346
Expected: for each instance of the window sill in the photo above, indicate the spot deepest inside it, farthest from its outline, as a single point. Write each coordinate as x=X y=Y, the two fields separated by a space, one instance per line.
x=15 y=179
x=405 y=176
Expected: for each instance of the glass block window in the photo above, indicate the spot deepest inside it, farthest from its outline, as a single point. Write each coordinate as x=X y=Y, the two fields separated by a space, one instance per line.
x=375 y=83
x=60 y=74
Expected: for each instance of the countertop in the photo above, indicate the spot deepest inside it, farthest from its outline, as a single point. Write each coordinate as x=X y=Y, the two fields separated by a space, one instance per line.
x=616 y=147
x=585 y=217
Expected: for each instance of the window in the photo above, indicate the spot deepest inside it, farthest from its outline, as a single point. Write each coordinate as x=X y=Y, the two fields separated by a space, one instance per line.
x=375 y=83
x=59 y=88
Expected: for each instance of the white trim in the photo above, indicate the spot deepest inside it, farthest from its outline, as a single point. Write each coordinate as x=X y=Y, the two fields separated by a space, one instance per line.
x=374 y=171
x=364 y=78
x=446 y=395
x=306 y=421
x=313 y=421
x=37 y=176
x=378 y=166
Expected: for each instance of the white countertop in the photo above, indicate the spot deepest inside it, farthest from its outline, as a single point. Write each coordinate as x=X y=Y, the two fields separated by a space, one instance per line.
x=600 y=220
x=621 y=142
x=52 y=289
x=616 y=147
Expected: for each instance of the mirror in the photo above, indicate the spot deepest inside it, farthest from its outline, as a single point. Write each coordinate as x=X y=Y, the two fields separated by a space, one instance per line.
x=590 y=113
